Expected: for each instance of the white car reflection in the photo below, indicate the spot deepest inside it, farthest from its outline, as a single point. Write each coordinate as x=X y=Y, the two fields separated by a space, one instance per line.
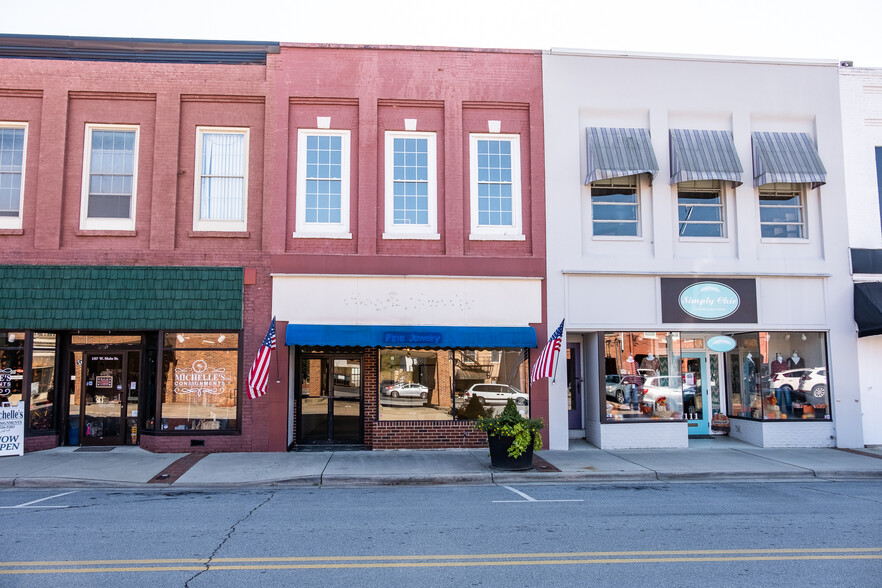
x=495 y=394
x=406 y=391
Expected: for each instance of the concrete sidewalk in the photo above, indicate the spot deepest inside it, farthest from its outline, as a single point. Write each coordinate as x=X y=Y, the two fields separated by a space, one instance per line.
x=704 y=460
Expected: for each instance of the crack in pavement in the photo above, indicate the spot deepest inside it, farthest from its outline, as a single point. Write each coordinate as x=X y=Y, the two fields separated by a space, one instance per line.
x=227 y=538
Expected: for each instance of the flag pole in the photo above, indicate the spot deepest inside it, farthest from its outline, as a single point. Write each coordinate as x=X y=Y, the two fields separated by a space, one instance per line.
x=557 y=360
x=277 y=357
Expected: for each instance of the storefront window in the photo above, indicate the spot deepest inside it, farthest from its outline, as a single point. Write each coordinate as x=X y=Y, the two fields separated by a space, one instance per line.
x=11 y=366
x=415 y=385
x=442 y=385
x=642 y=377
x=200 y=375
x=42 y=407
x=779 y=376
x=485 y=379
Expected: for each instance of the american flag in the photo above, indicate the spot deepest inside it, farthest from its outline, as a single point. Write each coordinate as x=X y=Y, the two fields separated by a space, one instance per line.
x=260 y=368
x=544 y=366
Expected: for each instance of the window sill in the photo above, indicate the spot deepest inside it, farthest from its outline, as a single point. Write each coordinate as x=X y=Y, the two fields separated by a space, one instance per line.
x=11 y=231
x=220 y=234
x=787 y=240
x=104 y=233
x=413 y=236
x=320 y=235
x=495 y=237
x=632 y=238
x=704 y=239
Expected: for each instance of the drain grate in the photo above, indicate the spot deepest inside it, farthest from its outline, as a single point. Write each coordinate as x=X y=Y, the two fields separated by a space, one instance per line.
x=95 y=449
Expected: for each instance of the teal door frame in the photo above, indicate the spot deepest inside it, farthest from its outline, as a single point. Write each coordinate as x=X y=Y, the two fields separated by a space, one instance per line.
x=700 y=425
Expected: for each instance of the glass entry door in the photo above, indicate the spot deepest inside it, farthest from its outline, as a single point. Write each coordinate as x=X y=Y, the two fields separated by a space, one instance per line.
x=329 y=400
x=696 y=408
x=109 y=388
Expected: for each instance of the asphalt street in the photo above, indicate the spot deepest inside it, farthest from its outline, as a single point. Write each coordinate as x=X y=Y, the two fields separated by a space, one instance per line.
x=794 y=533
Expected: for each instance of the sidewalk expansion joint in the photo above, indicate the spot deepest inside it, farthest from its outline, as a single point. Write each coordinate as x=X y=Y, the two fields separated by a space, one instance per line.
x=177 y=469
x=540 y=465
x=859 y=452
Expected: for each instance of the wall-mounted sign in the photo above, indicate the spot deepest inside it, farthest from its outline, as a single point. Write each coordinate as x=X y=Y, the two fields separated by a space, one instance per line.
x=689 y=300
x=201 y=379
x=411 y=338
x=721 y=343
x=12 y=429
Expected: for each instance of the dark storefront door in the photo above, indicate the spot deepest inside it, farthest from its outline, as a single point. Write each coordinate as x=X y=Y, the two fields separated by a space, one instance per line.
x=109 y=390
x=329 y=401
x=574 y=386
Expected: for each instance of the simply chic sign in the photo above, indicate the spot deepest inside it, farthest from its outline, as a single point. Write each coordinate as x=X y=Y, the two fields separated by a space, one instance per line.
x=688 y=300
x=12 y=429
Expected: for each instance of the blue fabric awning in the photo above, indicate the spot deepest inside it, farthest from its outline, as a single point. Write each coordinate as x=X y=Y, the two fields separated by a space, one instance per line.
x=704 y=155
x=432 y=337
x=616 y=153
x=786 y=157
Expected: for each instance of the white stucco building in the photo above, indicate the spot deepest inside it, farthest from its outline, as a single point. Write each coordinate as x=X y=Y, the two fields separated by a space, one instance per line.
x=861 y=90
x=698 y=251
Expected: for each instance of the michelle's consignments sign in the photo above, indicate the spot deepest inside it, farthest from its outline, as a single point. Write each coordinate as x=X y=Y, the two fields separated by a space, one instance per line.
x=691 y=300
x=12 y=429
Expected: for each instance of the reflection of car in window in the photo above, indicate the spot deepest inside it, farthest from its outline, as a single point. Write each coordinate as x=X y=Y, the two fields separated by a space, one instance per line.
x=495 y=394
x=615 y=388
x=406 y=391
x=673 y=388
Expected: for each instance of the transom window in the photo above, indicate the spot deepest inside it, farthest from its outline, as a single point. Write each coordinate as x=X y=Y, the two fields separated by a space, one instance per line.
x=222 y=183
x=323 y=183
x=13 y=137
x=700 y=209
x=411 y=191
x=110 y=177
x=495 y=173
x=615 y=207
x=782 y=211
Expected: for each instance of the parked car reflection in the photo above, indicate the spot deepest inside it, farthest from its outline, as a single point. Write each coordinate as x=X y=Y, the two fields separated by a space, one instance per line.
x=406 y=391
x=672 y=388
x=495 y=394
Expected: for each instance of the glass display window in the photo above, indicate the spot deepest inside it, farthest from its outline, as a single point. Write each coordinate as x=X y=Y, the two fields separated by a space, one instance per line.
x=642 y=376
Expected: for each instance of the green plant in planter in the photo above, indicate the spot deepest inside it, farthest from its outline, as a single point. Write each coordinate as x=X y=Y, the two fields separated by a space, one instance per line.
x=511 y=424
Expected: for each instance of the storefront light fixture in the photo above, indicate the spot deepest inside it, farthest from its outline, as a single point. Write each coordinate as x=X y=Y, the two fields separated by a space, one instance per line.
x=803 y=336
x=787 y=336
x=180 y=338
x=11 y=337
x=221 y=338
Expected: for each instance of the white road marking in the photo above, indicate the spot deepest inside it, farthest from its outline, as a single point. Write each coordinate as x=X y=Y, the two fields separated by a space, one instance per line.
x=528 y=498
x=28 y=504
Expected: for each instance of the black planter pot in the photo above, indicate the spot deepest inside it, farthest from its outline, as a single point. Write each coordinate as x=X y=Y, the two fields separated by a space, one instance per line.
x=499 y=458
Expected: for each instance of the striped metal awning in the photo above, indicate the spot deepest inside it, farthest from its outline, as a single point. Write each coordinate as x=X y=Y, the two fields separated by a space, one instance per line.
x=786 y=157
x=704 y=155
x=615 y=153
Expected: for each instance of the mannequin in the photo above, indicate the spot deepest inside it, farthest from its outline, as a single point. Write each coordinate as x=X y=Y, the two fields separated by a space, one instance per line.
x=782 y=393
x=778 y=366
x=795 y=361
x=749 y=371
x=633 y=381
x=652 y=364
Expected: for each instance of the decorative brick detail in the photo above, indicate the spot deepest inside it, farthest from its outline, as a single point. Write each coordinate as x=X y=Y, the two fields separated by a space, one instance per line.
x=426 y=435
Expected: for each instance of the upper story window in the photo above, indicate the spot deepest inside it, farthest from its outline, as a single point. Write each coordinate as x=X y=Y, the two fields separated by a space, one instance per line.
x=221 y=191
x=411 y=186
x=110 y=177
x=323 y=183
x=782 y=211
x=495 y=173
x=615 y=207
x=13 y=141
x=701 y=210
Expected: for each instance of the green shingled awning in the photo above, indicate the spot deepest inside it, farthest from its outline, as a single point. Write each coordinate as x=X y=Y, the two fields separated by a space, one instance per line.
x=64 y=297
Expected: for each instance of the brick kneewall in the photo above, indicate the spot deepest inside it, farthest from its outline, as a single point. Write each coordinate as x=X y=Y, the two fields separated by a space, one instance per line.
x=181 y=444
x=426 y=435
x=40 y=442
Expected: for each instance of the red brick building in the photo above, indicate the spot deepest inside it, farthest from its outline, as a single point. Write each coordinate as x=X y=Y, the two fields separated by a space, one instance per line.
x=161 y=201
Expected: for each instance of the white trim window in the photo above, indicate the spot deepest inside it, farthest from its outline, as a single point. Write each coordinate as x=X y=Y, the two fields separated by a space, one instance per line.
x=110 y=177
x=323 y=184
x=411 y=186
x=495 y=177
x=220 y=200
x=782 y=211
x=615 y=207
x=701 y=209
x=13 y=155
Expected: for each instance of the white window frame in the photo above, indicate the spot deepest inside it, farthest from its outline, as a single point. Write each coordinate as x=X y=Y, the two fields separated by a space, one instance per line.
x=718 y=186
x=514 y=231
x=778 y=188
x=234 y=225
x=14 y=222
x=634 y=182
x=317 y=229
x=108 y=224
x=430 y=230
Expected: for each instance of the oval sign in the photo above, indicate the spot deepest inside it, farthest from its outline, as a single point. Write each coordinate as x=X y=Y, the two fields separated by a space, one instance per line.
x=709 y=300
x=721 y=343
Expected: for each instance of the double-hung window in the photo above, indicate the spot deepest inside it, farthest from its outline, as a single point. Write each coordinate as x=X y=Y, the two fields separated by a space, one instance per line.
x=323 y=184
x=411 y=186
x=615 y=207
x=221 y=190
x=782 y=211
x=110 y=177
x=700 y=207
x=13 y=147
x=495 y=173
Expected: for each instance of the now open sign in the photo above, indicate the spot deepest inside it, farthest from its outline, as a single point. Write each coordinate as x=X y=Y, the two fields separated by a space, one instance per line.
x=12 y=429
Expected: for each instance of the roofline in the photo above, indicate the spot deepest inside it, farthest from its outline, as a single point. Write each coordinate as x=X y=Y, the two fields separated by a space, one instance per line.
x=691 y=57
x=289 y=45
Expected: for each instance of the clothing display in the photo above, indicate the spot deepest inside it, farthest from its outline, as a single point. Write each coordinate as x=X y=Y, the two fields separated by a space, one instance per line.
x=778 y=366
x=652 y=364
x=795 y=362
